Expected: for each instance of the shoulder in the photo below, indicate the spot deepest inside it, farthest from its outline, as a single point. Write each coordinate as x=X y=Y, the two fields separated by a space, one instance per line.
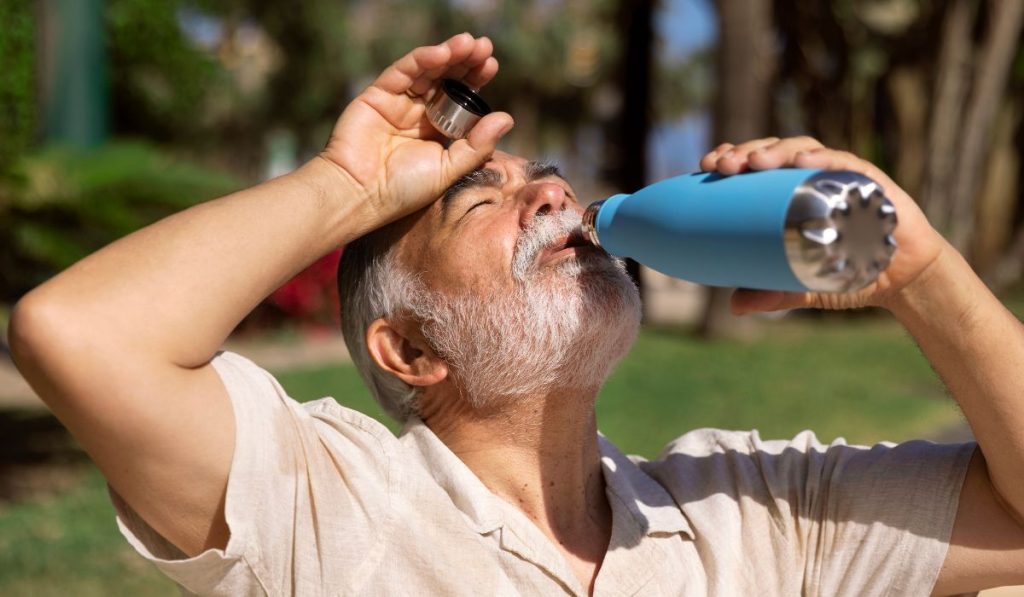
x=805 y=473
x=708 y=442
x=267 y=414
x=329 y=415
x=726 y=458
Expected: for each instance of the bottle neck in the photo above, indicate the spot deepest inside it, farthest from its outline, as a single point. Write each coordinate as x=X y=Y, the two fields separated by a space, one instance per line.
x=589 y=224
x=590 y=218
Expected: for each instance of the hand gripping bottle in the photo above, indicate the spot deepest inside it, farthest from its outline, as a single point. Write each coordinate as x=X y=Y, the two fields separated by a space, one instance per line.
x=788 y=229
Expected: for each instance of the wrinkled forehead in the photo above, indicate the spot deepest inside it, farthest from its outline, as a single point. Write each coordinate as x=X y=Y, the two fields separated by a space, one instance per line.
x=502 y=170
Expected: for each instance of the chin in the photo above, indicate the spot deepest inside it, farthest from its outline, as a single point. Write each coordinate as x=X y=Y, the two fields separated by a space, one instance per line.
x=608 y=307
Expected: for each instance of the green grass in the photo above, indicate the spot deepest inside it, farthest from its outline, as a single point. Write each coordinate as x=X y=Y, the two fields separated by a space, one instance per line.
x=865 y=381
x=69 y=545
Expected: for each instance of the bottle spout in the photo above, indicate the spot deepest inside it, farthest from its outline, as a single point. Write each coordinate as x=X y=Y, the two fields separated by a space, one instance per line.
x=589 y=225
x=593 y=221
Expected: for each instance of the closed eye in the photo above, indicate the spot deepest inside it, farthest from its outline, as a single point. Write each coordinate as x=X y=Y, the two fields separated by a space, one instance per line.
x=478 y=204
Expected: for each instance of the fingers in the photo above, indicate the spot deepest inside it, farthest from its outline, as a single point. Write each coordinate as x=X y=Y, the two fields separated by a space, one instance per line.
x=461 y=48
x=400 y=76
x=731 y=159
x=466 y=154
x=831 y=159
x=745 y=300
x=709 y=162
x=781 y=153
x=798 y=152
x=479 y=53
x=760 y=154
x=735 y=159
x=460 y=56
x=482 y=74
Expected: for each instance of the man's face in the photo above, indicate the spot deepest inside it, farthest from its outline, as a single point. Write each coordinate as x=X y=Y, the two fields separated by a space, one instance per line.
x=465 y=242
x=513 y=298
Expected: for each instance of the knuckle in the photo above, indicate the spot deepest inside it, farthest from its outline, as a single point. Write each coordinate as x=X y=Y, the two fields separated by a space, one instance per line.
x=808 y=140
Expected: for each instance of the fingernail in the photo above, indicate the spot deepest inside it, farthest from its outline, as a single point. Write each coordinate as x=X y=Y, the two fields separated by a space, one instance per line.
x=727 y=154
x=761 y=149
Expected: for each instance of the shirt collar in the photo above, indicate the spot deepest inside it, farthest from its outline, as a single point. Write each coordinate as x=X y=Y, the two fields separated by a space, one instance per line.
x=465 y=489
x=642 y=498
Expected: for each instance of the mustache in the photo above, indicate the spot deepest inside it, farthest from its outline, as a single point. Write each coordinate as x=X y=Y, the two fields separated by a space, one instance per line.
x=543 y=231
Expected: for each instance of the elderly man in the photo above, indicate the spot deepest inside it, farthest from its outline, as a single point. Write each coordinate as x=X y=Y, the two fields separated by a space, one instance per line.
x=477 y=318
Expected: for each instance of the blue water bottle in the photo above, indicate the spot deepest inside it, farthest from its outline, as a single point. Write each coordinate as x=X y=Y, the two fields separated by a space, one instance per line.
x=788 y=229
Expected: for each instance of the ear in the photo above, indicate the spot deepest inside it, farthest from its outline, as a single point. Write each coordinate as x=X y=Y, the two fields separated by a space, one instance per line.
x=401 y=351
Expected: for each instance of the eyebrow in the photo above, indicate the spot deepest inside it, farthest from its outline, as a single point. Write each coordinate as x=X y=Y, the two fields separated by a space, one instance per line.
x=486 y=177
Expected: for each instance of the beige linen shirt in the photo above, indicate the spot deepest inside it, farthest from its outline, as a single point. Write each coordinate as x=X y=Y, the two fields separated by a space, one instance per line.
x=323 y=500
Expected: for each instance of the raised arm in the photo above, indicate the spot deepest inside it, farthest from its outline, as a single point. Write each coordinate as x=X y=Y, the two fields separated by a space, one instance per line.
x=119 y=345
x=971 y=340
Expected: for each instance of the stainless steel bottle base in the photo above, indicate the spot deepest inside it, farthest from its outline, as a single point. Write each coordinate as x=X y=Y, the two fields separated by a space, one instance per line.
x=838 y=234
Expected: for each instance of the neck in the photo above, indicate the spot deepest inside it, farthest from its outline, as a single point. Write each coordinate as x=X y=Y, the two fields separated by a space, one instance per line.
x=540 y=454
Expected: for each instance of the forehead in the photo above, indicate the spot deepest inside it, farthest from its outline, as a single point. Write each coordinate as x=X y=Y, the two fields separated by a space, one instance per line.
x=503 y=169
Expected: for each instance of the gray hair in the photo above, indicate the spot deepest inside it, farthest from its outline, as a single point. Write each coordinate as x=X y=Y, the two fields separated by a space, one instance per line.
x=371 y=285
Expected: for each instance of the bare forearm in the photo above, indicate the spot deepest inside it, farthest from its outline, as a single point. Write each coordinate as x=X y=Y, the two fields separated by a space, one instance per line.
x=977 y=347
x=176 y=289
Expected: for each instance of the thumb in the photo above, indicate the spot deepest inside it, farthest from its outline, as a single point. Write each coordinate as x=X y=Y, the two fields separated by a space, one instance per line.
x=466 y=154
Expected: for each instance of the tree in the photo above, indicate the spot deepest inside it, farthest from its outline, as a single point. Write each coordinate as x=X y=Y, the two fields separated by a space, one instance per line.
x=745 y=67
x=991 y=72
x=627 y=133
x=17 y=84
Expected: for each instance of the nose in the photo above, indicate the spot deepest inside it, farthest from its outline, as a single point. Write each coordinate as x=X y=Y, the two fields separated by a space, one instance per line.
x=541 y=198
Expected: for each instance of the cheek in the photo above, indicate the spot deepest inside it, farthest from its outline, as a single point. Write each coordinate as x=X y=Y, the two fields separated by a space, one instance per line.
x=481 y=260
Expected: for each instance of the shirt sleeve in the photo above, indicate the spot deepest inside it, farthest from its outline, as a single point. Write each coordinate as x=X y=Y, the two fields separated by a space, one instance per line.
x=824 y=519
x=297 y=479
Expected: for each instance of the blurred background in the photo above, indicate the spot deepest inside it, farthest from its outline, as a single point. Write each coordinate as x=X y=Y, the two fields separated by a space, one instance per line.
x=115 y=113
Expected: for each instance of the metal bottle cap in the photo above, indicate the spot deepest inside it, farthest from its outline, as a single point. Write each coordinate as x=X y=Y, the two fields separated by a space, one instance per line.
x=838 y=232
x=455 y=108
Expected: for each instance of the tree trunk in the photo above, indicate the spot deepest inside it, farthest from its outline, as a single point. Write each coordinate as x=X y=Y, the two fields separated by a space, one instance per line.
x=997 y=200
x=746 y=67
x=909 y=95
x=998 y=51
x=628 y=155
x=951 y=85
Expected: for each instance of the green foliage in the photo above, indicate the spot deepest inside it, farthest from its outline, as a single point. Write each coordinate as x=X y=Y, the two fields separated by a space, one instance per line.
x=160 y=82
x=684 y=86
x=536 y=41
x=17 y=81
x=68 y=203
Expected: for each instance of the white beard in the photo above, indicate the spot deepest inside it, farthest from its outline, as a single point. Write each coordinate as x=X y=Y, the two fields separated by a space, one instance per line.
x=560 y=328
